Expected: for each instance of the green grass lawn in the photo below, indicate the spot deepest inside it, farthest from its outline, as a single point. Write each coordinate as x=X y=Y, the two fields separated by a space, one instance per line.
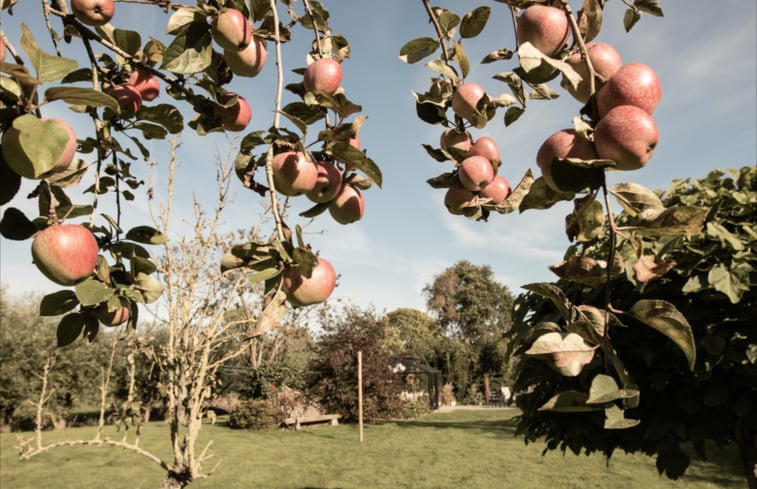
x=463 y=449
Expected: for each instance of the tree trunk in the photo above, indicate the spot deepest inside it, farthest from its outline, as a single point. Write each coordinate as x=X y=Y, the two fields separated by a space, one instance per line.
x=177 y=478
x=487 y=389
x=746 y=439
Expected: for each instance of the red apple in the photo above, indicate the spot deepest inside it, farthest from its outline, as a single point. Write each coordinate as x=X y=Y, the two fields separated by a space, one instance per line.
x=475 y=173
x=354 y=141
x=128 y=97
x=457 y=199
x=93 y=12
x=633 y=84
x=627 y=135
x=116 y=316
x=547 y=28
x=16 y=158
x=146 y=84
x=293 y=174
x=2 y=50
x=498 y=190
x=466 y=98
x=327 y=183
x=562 y=145
x=348 y=206
x=323 y=76
x=65 y=253
x=486 y=147
x=236 y=117
x=249 y=61
x=231 y=30
x=452 y=138
x=303 y=291
x=605 y=60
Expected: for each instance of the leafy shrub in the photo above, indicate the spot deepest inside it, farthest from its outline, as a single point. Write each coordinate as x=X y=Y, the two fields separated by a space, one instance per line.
x=415 y=408
x=254 y=414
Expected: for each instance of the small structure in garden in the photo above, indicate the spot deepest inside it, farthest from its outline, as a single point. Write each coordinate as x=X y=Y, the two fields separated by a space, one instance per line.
x=409 y=366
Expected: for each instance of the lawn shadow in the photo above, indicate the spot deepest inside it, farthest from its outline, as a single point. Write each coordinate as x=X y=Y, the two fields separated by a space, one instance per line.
x=495 y=427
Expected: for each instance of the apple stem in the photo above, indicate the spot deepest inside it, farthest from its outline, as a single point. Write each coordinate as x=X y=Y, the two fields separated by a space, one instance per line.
x=581 y=46
x=315 y=29
x=439 y=33
x=515 y=24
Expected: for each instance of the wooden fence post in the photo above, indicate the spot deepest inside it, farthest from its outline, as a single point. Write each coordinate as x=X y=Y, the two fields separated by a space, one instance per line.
x=360 y=394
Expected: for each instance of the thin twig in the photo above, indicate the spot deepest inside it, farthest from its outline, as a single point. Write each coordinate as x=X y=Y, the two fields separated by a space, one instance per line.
x=581 y=45
x=435 y=21
x=276 y=122
x=315 y=28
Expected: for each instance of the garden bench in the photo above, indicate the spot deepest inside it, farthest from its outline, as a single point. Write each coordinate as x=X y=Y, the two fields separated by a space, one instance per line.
x=332 y=419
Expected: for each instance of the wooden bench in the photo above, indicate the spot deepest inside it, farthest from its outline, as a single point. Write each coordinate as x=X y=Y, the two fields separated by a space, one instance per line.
x=332 y=419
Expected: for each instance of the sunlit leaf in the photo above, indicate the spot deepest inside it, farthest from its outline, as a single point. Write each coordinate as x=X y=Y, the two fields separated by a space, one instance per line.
x=474 y=22
x=668 y=320
x=417 y=49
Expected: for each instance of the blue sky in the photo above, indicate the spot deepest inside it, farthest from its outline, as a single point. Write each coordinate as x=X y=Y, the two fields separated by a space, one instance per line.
x=704 y=54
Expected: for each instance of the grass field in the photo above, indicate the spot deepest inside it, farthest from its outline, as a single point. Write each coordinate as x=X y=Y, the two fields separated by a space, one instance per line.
x=463 y=449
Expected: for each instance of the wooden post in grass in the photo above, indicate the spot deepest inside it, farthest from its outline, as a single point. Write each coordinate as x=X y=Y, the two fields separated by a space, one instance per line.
x=360 y=394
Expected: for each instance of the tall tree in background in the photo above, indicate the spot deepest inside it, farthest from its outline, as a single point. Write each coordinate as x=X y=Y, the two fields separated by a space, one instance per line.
x=471 y=306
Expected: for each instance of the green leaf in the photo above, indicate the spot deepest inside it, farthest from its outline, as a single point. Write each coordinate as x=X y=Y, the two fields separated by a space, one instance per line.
x=191 y=50
x=58 y=303
x=474 y=22
x=263 y=275
x=649 y=6
x=719 y=232
x=585 y=270
x=733 y=282
x=49 y=68
x=630 y=18
x=679 y=220
x=586 y=221
x=555 y=294
x=635 y=198
x=565 y=352
x=36 y=148
x=91 y=292
x=166 y=115
x=149 y=287
x=604 y=389
x=349 y=154
x=542 y=196
x=499 y=54
x=82 y=96
x=417 y=49
x=568 y=402
x=16 y=226
x=462 y=59
x=183 y=17
x=512 y=114
x=615 y=419
x=448 y=21
x=315 y=211
x=665 y=318
x=439 y=66
x=146 y=235
x=590 y=19
x=70 y=328
x=272 y=314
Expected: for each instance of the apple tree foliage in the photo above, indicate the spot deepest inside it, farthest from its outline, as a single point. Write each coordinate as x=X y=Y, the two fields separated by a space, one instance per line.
x=111 y=158
x=588 y=390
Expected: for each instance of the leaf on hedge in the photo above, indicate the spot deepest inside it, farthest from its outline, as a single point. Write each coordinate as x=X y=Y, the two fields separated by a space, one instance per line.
x=58 y=303
x=417 y=49
x=585 y=270
x=474 y=22
x=604 y=389
x=680 y=220
x=49 y=68
x=647 y=268
x=733 y=282
x=718 y=231
x=586 y=221
x=568 y=402
x=566 y=353
x=553 y=293
x=191 y=50
x=146 y=235
x=665 y=318
x=69 y=328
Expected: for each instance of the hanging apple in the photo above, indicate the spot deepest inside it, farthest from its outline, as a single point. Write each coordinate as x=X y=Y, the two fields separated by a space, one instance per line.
x=65 y=253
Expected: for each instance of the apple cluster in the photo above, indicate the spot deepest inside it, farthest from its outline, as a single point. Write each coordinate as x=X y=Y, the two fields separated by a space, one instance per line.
x=620 y=108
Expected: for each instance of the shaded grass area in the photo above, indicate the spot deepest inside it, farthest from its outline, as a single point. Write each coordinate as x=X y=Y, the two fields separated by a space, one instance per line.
x=463 y=449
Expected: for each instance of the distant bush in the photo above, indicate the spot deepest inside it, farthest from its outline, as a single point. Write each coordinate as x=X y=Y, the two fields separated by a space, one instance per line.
x=254 y=414
x=416 y=408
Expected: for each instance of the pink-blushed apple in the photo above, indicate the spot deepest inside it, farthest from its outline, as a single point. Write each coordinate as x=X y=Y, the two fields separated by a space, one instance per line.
x=231 y=30
x=498 y=190
x=146 y=83
x=93 y=12
x=354 y=141
x=633 y=84
x=15 y=156
x=293 y=173
x=65 y=253
x=466 y=98
x=348 y=206
x=128 y=97
x=547 y=28
x=305 y=291
x=323 y=76
x=327 y=183
x=456 y=199
x=605 y=60
x=236 y=117
x=626 y=135
x=249 y=61
x=114 y=317
x=486 y=147
x=562 y=145
x=475 y=173
x=2 y=50
x=452 y=138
